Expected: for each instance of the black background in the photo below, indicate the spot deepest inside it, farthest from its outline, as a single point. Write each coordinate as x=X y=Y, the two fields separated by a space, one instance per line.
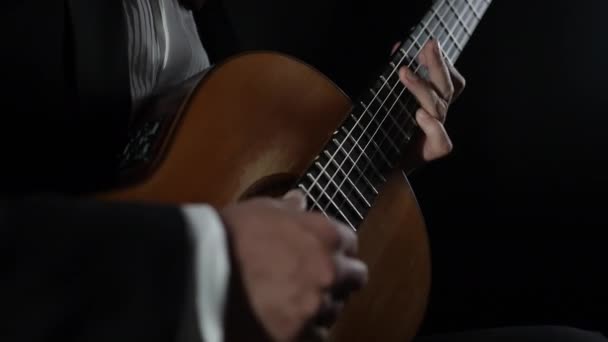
x=516 y=212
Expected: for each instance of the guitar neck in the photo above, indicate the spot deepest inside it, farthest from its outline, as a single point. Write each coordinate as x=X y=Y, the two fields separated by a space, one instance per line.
x=452 y=22
x=346 y=177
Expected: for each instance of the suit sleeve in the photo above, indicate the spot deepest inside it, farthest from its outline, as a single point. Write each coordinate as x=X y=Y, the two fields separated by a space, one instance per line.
x=85 y=270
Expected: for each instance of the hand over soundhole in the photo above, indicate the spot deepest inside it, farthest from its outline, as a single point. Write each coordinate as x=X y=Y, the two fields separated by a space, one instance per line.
x=295 y=267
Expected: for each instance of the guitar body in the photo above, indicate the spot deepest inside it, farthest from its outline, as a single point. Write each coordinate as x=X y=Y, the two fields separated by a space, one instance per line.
x=252 y=126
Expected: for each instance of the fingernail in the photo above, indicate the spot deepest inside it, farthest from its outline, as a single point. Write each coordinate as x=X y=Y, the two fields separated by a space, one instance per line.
x=297 y=198
x=294 y=193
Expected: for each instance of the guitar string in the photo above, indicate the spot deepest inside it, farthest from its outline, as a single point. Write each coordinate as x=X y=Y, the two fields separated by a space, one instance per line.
x=451 y=48
x=324 y=189
x=441 y=22
x=454 y=28
x=451 y=51
x=406 y=54
x=417 y=45
x=315 y=181
x=323 y=171
x=356 y=143
x=451 y=41
x=396 y=120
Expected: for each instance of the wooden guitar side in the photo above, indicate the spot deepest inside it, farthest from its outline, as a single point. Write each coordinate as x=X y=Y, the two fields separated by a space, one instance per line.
x=255 y=124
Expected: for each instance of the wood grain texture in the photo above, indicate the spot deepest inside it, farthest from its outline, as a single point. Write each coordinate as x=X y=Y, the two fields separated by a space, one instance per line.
x=262 y=118
x=258 y=115
x=393 y=243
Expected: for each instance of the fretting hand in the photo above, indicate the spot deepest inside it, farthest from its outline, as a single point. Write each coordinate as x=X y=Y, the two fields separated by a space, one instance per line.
x=435 y=95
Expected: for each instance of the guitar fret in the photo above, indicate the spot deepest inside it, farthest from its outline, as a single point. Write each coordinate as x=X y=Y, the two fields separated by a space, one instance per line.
x=340 y=175
x=461 y=31
x=459 y=17
x=398 y=101
x=398 y=124
x=361 y=194
x=382 y=129
x=352 y=138
x=385 y=158
x=410 y=123
x=371 y=107
x=363 y=183
x=454 y=50
x=345 y=178
x=469 y=19
x=438 y=22
x=367 y=157
x=364 y=153
x=335 y=187
x=330 y=200
x=359 y=123
x=452 y=19
x=348 y=140
x=376 y=175
x=333 y=153
x=312 y=198
x=334 y=210
x=362 y=175
x=420 y=35
x=314 y=192
x=398 y=120
x=450 y=40
x=401 y=109
x=429 y=33
x=473 y=9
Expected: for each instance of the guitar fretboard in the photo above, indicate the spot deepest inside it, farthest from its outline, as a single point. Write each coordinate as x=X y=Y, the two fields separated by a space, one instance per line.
x=346 y=177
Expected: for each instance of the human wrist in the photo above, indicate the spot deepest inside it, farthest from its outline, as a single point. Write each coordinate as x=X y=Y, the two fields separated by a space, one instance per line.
x=240 y=320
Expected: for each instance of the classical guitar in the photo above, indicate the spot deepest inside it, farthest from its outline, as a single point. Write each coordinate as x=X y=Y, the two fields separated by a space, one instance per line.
x=262 y=123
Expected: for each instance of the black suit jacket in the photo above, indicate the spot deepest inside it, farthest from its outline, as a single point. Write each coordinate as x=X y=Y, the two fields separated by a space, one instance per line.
x=72 y=268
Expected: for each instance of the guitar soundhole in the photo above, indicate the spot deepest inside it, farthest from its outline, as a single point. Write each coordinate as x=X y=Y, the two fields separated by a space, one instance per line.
x=271 y=186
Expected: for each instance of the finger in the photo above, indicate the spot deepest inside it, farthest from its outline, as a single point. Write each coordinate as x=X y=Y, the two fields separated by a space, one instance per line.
x=439 y=73
x=458 y=80
x=348 y=238
x=351 y=275
x=437 y=142
x=314 y=333
x=329 y=312
x=295 y=199
x=424 y=93
x=333 y=233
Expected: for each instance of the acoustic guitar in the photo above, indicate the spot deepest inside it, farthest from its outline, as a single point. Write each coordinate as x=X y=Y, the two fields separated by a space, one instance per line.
x=285 y=125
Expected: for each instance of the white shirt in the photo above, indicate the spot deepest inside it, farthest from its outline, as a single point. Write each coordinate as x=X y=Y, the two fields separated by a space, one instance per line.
x=164 y=45
x=165 y=49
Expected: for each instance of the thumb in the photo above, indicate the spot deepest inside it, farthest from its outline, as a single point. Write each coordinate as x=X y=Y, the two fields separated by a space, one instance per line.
x=295 y=199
